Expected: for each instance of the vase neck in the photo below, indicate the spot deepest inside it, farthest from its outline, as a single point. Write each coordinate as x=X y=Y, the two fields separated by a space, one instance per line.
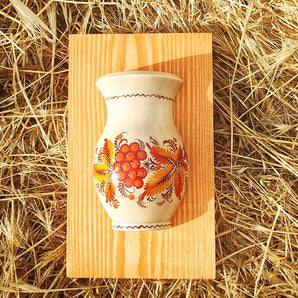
x=139 y=109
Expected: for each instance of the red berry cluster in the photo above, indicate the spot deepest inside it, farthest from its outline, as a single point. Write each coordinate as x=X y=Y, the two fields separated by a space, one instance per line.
x=128 y=164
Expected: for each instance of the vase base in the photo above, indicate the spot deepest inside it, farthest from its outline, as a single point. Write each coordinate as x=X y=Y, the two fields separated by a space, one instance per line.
x=118 y=226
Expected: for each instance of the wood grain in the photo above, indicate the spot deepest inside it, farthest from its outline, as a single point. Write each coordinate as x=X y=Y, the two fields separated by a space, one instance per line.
x=187 y=250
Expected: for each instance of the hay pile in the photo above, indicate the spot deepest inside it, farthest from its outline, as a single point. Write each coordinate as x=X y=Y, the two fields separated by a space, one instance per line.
x=256 y=142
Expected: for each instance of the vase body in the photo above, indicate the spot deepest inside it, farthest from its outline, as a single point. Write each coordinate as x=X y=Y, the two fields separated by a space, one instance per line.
x=140 y=165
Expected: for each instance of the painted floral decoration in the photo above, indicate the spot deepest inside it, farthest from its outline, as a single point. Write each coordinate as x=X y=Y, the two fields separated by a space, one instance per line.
x=126 y=167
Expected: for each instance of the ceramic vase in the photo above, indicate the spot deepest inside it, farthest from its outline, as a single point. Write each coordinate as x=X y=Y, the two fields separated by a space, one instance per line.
x=140 y=164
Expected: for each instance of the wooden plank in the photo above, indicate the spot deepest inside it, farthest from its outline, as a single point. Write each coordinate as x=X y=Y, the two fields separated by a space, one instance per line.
x=187 y=250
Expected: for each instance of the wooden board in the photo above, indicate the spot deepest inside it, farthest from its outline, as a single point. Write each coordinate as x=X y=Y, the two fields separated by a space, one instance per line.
x=187 y=250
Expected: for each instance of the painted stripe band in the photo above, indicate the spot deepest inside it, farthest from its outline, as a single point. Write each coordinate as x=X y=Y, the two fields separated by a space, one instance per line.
x=141 y=226
x=140 y=95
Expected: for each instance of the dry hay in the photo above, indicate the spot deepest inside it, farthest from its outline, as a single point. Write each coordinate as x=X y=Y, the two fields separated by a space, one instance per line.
x=256 y=144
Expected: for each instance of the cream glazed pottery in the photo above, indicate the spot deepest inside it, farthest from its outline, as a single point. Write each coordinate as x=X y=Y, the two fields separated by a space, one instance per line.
x=140 y=165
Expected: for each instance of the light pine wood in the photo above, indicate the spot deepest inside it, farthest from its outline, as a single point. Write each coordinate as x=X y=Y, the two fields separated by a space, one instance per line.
x=187 y=250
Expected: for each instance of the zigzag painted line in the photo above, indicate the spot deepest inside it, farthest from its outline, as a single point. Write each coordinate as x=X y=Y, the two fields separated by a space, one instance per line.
x=140 y=95
x=142 y=226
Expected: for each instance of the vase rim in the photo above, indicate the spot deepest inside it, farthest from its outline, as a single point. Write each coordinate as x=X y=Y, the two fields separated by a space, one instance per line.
x=148 y=73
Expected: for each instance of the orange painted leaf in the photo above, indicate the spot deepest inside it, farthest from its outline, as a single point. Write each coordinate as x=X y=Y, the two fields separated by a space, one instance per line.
x=179 y=176
x=110 y=191
x=162 y=155
x=108 y=152
x=101 y=172
x=158 y=181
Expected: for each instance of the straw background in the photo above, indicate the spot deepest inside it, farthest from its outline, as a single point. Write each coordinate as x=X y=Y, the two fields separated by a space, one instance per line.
x=255 y=131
